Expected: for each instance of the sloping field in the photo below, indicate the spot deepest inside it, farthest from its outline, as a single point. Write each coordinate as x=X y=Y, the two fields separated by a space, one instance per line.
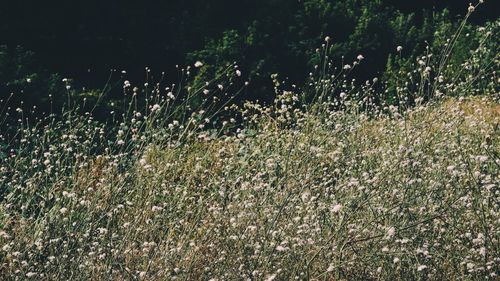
x=412 y=196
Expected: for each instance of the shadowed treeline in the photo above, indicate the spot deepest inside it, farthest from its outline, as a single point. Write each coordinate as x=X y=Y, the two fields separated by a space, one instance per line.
x=85 y=39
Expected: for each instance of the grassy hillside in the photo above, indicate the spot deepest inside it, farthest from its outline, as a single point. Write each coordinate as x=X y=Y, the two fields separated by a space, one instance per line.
x=336 y=180
x=338 y=195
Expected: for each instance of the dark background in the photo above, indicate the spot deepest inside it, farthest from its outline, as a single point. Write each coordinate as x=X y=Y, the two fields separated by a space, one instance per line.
x=85 y=39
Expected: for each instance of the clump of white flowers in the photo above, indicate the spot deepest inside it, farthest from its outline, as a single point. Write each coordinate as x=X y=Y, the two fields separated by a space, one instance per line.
x=155 y=107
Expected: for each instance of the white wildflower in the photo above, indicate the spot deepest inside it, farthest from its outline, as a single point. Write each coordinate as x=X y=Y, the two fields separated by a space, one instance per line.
x=421 y=267
x=305 y=196
x=155 y=107
x=336 y=208
x=482 y=251
x=280 y=248
x=270 y=277
x=482 y=158
x=391 y=232
x=157 y=209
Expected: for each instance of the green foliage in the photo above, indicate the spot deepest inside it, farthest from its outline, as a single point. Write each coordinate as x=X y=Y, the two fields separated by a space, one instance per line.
x=285 y=42
x=23 y=81
x=456 y=55
x=263 y=37
x=218 y=55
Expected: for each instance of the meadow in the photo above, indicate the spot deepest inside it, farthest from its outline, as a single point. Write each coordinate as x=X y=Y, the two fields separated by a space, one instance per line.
x=334 y=180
